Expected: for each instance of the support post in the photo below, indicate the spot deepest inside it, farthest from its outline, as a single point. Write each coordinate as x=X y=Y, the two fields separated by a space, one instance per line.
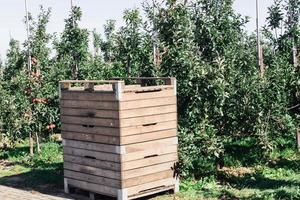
x=66 y=186
x=118 y=86
x=122 y=194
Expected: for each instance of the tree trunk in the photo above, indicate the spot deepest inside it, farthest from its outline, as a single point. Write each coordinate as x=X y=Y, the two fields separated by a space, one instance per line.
x=129 y=65
x=75 y=71
x=295 y=54
x=30 y=144
x=37 y=142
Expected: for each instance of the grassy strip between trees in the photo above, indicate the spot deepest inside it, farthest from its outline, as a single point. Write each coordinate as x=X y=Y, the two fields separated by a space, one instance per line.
x=279 y=179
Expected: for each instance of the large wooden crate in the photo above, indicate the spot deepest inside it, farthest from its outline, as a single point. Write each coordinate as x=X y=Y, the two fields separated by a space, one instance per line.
x=119 y=139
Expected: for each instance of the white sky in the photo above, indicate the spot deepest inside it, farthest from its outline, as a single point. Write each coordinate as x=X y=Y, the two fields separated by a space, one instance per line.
x=95 y=14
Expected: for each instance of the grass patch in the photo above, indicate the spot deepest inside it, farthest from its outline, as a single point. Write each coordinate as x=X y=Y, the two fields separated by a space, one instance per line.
x=45 y=168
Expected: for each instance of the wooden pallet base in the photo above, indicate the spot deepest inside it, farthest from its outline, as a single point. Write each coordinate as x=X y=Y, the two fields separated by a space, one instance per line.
x=122 y=194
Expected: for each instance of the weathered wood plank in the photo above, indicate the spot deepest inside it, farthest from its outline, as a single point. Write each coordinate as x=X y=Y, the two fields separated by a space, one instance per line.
x=102 y=164
x=151 y=145
x=148 y=120
x=88 y=96
x=134 y=130
x=98 y=105
x=112 y=114
x=138 y=93
x=131 y=139
x=90 y=129
x=92 y=179
x=92 y=170
x=97 y=155
x=148 y=153
x=105 y=190
x=92 y=146
x=144 y=103
x=147 y=170
x=91 y=137
x=147 y=111
x=151 y=192
x=149 y=161
x=150 y=186
x=147 y=178
x=90 y=121
x=145 y=121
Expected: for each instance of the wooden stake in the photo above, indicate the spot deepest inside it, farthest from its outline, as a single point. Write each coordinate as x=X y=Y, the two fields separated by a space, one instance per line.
x=295 y=53
x=298 y=139
x=27 y=30
x=259 y=48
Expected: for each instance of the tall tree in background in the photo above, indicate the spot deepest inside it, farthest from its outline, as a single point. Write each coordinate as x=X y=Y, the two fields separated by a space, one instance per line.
x=14 y=60
x=72 y=49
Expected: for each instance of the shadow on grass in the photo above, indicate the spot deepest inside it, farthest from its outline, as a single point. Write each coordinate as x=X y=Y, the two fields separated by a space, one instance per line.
x=258 y=181
x=286 y=164
x=38 y=173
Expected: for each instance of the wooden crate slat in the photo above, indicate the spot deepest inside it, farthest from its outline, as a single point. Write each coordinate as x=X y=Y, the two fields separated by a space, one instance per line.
x=148 y=136
x=88 y=96
x=151 y=192
x=148 y=153
x=146 y=129
x=102 y=181
x=111 y=114
x=150 y=185
x=149 y=161
x=139 y=112
x=145 y=121
x=105 y=190
x=102 y=164
x=92 y=146
x=150 y=145
x=90 y=129
x=89 y=121
x=136 y=95
x=97 y=155
x=148 y=120
x=147 y=178
x=91 y=137
x=147 y=170
x=144 y=103
x=98 y=105
x=92 y=170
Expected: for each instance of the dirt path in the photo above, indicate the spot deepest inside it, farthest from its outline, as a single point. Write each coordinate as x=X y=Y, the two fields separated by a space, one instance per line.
x=9 y=193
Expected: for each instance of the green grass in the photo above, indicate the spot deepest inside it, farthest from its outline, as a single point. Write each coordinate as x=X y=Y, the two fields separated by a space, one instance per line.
x=31 y=171
x=280 y=179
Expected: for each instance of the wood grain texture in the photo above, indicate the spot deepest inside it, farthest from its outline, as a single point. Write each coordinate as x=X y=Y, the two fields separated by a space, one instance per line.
x=147 y=170
x=97 y=155
x=92 y=179
x=110 y=114
x=150 y=186
x=104 y=139
x=92 y=146
x=135 y=164
x=147 y=178
x=161 y=143
x=92 y=170
x=110 y=131
x=102 y=164
x=92 y=187
x=148 y=153
x=140 y=129
x=131 y=139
